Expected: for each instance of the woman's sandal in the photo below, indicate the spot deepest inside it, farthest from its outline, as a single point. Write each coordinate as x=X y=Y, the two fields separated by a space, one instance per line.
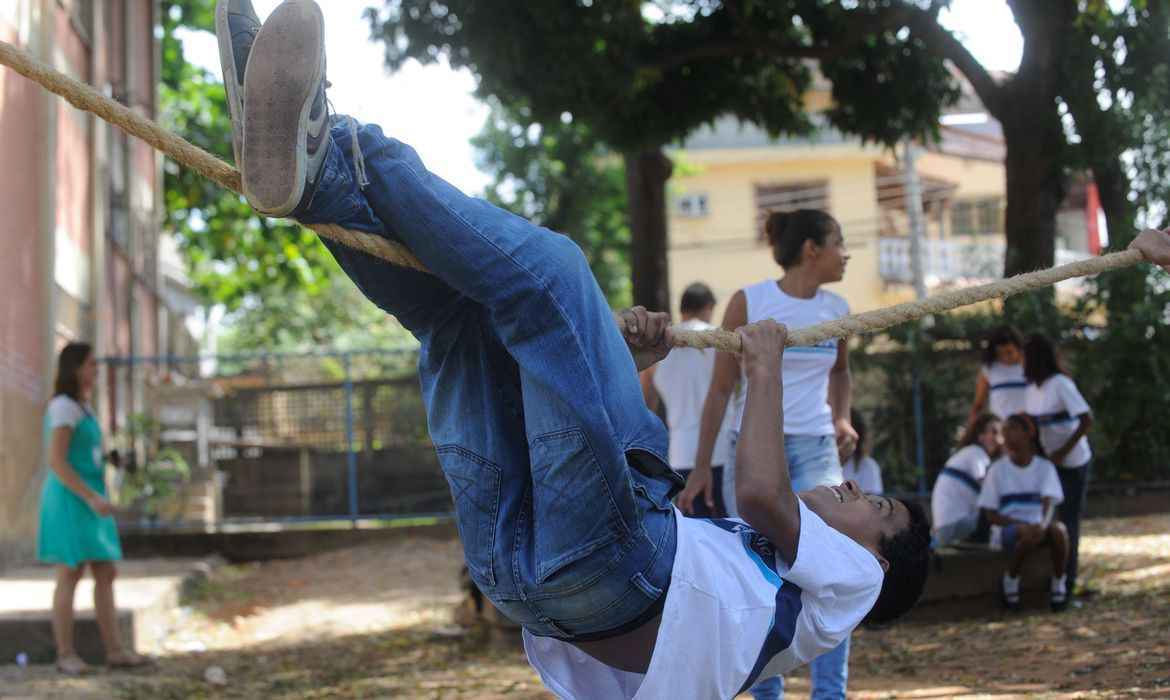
x=128 y=660
x=72 y=665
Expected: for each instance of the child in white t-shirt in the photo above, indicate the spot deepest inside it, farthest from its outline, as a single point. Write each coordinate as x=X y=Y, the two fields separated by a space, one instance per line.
x=859 y=466
x=1019 y=496
x=1063 y=419
x=953 y=501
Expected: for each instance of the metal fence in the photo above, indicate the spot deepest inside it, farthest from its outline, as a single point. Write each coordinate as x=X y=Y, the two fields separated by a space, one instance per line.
x=213 y=441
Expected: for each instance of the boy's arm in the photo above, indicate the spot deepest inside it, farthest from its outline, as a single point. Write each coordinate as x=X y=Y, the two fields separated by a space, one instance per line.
x=1048 y=510
x=763 y=490
x=841 y=400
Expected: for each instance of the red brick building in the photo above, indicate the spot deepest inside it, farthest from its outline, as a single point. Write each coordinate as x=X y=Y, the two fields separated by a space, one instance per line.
x=80 y=232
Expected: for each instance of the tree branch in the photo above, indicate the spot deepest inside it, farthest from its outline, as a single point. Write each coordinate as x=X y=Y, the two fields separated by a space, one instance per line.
x=925 y=24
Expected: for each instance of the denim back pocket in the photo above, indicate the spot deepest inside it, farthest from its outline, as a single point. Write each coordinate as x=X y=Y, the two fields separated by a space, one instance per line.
x=573 y=508
x=475 y=488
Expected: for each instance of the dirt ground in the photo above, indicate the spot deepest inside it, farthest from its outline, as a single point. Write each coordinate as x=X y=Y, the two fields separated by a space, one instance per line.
x=377 y=621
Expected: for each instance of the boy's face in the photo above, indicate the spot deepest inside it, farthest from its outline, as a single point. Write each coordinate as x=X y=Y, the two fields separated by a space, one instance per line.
x=1016 y=439
x=865 y=518
x=1009 y=354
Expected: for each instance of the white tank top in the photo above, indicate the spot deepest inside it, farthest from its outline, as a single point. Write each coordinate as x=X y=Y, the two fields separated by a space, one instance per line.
x=806 y=370
x=1007 y=388
x=682 y=380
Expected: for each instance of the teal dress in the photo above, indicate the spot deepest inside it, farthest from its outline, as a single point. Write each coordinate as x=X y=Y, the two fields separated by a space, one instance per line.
x=70 y=531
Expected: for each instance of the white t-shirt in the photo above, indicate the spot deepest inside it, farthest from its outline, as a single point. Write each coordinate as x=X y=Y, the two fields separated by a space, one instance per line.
x=956 y=491
x=806 y=369
x=1016 y=491
x=1057 y=406
x=682 y=380
x=734 y=613
x=64 y=412
x=1006 y=385
x=866 y=473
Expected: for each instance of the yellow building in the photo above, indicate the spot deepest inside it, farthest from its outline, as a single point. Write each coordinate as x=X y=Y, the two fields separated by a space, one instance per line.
x=729 y=175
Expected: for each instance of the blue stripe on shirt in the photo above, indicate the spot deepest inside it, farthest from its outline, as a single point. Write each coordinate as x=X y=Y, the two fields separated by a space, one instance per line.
x=1020 y=497
x=782 y=628
x=1055 y=418
x=1009 y=385
x=962 y=476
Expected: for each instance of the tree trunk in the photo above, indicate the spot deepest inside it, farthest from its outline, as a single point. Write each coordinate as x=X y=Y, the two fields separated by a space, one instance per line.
x=1035 y=189
x=647 y=172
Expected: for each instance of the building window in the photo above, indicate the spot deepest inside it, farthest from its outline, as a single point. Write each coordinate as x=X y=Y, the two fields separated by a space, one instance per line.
x=813 y=194
x=977 y=217
x=691 y=206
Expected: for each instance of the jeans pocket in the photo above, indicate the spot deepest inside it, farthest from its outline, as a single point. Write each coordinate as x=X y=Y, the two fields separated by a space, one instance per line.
x=475 y=488
x=651 y=492
x=573 y=509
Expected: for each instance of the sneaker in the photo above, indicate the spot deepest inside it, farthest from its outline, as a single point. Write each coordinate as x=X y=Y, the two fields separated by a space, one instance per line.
x=1010 y=592
x=286 y=117
x=236 y=26
x=1058 y=594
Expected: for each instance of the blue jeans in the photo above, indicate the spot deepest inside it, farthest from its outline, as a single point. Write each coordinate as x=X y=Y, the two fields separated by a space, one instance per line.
x=556 y=468
x=812 y=461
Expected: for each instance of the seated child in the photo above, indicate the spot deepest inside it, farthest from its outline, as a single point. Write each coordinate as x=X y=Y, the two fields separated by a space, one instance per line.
x=1019 y=496
x=953 y=501
x=557 y=469
x=859 y=466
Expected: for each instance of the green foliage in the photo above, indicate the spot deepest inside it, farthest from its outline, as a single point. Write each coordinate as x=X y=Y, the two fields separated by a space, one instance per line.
x=1118 y=93
x=644 y=74
x=281 y=287
x=559 y=176
x=152 y=485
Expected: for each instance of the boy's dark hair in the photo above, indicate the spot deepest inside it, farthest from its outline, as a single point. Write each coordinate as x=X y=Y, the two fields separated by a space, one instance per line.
x=69 y=362
x=788 y=230
x=696 y=297
x=1025 y=422
x=1040 y=360
x=1004 y=335
x=908 y=553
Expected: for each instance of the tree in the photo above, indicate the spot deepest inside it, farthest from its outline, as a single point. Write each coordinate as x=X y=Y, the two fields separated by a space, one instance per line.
x=1117 y=91
x=642 y=75
x=269 y=274
x=560 y=177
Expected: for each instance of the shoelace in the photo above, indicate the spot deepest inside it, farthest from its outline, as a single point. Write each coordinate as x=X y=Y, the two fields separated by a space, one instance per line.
x=359 y=162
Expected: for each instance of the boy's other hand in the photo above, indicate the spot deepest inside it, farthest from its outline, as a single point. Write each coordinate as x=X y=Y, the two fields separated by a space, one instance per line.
x=647 y=333
x=1155 y=246
x=699 y=483
x=763 y=347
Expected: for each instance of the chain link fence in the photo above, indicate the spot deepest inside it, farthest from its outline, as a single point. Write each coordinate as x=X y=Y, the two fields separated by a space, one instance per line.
x=219 y=440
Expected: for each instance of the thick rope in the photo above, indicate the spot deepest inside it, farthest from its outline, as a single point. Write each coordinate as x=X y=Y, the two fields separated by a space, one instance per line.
x=86 y=98
x=881 y=319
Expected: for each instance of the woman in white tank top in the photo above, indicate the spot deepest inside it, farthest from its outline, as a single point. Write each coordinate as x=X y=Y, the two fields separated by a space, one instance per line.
x=809 y=246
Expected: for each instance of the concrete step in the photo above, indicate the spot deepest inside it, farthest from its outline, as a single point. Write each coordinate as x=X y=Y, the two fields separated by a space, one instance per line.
x=971 y=572
x=144 y=591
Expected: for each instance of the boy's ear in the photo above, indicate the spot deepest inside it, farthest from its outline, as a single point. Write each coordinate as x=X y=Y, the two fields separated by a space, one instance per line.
x=885 y=563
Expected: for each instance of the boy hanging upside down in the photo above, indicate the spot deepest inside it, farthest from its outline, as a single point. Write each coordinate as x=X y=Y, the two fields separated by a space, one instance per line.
x=561 y=491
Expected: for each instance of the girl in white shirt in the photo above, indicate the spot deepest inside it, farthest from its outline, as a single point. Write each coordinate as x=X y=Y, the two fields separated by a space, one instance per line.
x=999 y=390
x=1064 y=420
x=817 y=391
x=953 y=501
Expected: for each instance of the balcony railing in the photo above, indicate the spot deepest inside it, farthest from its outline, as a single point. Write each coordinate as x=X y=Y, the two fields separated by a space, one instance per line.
x=950 y=261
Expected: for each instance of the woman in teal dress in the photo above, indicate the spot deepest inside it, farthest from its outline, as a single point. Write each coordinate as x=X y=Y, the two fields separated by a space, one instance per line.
x=77 y=528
